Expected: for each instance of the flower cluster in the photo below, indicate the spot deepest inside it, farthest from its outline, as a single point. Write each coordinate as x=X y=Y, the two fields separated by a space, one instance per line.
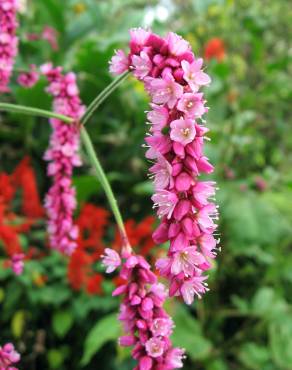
x=8 y=41
x=173 y=77
x=63 y=156
x=8 y=357
x=147 y=325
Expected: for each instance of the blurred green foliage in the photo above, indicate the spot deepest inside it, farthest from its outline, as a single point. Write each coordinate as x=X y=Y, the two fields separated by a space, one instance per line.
x=245 y=321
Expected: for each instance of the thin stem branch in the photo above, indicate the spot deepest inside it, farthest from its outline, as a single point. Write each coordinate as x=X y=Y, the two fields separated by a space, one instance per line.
x=101 y=176
x=22 y=109
x=102 y=96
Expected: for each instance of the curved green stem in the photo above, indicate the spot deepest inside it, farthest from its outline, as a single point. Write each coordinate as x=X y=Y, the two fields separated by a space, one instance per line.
x=33 y=112
x=102 y=96
x=101 y=176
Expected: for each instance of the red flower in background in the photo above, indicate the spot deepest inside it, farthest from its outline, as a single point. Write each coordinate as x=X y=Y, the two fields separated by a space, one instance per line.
x=12 y=224
x=215 y=49
x=24 y=177
x=92 y=221
x=139 y=234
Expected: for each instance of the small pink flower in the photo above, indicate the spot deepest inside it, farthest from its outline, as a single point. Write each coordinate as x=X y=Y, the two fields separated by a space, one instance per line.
x=194 y=75
x=162 y=173
x=174 y=358
x=164 y=90
x=165 y=201
x=161 y=327
x=176 y=44
x=119 y=63
x=186 y=260
x=192 y=105
x=142 y=65
x=111 y=260
x=183 y=131
x=208 y=244
x=158 y=117
x=193 y=286
x=203 y=190
x=17 y=263
x=139 y=36
x=155 y=347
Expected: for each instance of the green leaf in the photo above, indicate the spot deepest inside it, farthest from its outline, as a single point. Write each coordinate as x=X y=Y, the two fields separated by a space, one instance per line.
x=62 y=322
x=188 y=335
x=253 y=356
x=105 y=330
x=266 y=303
x=280 y=339
x=86 y=186
x=55 y=358
x=17 y=323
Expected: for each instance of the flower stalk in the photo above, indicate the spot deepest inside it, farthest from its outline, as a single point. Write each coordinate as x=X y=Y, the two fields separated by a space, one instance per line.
x=102 y=96
x=22 y=109
x=101 y=176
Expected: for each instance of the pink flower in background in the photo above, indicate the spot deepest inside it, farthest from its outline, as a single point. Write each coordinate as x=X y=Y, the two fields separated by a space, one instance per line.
x=17 y=263
x=8 y=41
x=8 y=357
x=28 y=79
x=147 y=325
x=173 y=76
x=50 y=34
x=62 y=156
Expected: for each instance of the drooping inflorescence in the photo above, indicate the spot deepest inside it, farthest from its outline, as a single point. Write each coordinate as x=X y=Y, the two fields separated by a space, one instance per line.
x=147 y=325
x=173 y=76
x=8 y=41
x=62 y=156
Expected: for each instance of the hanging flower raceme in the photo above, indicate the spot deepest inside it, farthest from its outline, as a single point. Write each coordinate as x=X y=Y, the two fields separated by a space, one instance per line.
x=8 y=41
x=8 y=357
x=62 y=156
x=146 y=324
x=173 y=77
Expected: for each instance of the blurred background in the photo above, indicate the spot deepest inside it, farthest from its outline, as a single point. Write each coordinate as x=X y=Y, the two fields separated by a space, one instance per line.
x=59 y=313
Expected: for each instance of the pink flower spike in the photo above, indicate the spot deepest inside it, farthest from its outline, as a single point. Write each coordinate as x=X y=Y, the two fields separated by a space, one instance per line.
x=194 y=75
x=161 y=327
x=119 y=63
x=111 y=260
x=183 y=131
